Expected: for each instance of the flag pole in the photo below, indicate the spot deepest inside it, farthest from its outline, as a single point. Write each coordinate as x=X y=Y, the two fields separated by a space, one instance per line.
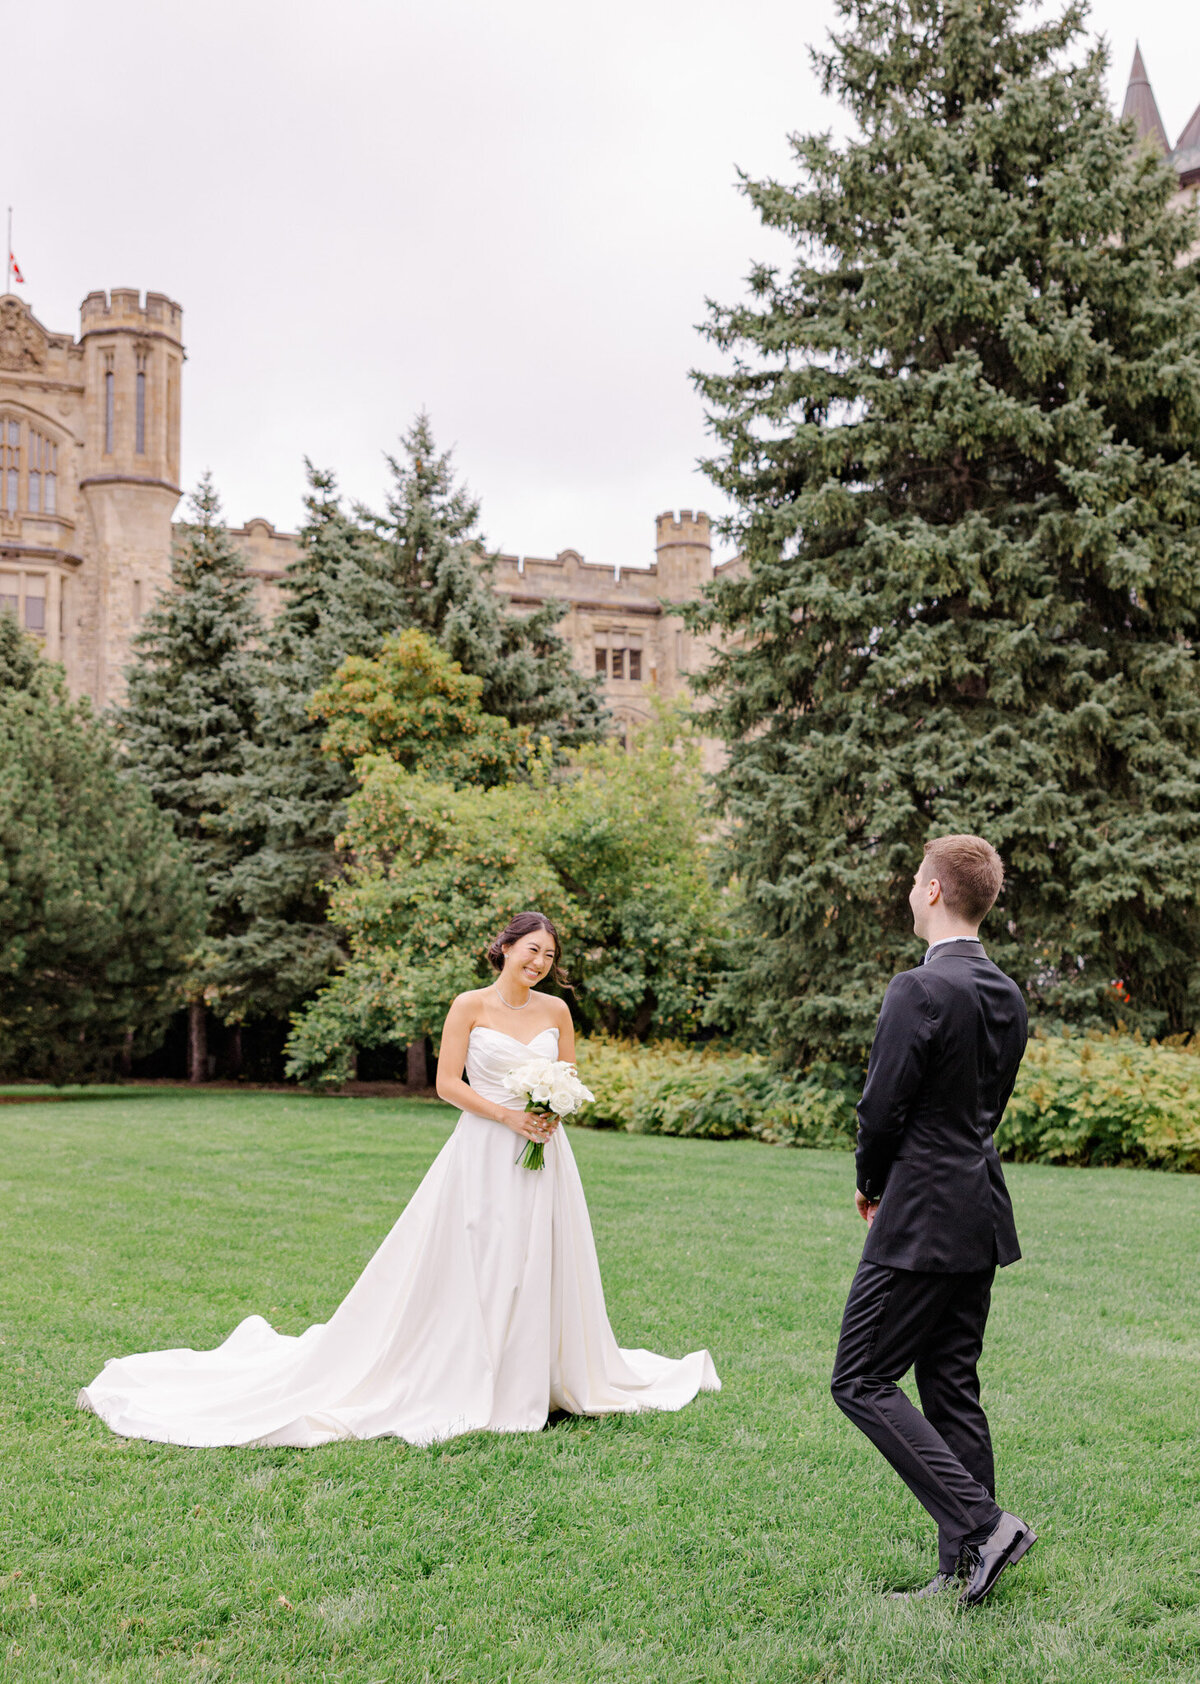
x=8 y=258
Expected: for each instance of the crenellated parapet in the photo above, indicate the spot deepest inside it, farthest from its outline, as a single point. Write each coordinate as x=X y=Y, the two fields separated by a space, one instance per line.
x=123 y=308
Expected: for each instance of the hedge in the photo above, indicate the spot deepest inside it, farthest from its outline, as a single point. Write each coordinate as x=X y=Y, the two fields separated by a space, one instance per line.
x=1086 y=1100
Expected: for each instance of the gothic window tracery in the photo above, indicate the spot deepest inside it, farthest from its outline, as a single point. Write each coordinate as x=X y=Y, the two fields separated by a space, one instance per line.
x=10 y=464
x=36 y=453
x=43 y=474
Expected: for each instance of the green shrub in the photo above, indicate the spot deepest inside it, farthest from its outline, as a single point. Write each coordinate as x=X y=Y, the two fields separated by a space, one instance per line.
x=1105 y=1099
x=1079 y=1099
x=715 y=1093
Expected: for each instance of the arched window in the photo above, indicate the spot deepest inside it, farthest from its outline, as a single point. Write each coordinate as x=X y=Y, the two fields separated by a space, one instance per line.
x=43 y=474
x=10 y=464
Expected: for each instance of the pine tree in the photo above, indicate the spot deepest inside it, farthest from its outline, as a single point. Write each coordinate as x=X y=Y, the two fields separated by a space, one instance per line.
x=962 y=431
x=100 y=908
x=188 y=718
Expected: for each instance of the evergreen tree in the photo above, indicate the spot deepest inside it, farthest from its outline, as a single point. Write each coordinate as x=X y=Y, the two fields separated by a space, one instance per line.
x=440 y=566
x=359 y=579
x=340 y=599
x=961 y=430
x=100 y=908
x=188 y=718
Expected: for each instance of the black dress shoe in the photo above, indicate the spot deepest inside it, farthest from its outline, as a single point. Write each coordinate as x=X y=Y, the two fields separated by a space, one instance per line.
x=940 y=1582
x=1007 y=1542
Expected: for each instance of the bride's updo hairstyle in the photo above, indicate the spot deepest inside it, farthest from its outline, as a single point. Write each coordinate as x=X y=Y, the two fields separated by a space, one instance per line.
x=521 y=925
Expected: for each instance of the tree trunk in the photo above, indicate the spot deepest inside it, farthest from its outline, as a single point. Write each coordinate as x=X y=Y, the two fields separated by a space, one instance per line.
x=416 y=1075
x=197 y=1042
x=127 y=1054
x=235 y=1050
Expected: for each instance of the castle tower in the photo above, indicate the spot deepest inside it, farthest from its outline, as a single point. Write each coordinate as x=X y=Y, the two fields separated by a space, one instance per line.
x=683 y=564
x=129 y=469
x=683 y=552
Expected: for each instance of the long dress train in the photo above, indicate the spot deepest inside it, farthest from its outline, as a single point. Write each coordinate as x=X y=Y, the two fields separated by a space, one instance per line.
x=483 y=1308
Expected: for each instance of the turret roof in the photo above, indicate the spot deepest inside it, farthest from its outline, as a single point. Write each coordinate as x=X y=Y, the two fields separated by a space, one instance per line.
x=1141 y=105
x=1191 y=135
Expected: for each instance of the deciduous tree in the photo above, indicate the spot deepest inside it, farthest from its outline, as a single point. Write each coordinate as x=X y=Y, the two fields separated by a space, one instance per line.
x=613 y=852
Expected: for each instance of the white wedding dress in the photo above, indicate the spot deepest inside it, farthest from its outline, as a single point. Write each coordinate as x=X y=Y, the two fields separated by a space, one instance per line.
x=482 y=1309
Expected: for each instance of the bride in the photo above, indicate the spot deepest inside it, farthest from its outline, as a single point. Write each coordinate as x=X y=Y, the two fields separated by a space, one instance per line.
x=482 y=1309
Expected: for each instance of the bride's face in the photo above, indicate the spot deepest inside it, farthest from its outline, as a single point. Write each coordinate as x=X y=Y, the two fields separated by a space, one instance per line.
x=529 y=959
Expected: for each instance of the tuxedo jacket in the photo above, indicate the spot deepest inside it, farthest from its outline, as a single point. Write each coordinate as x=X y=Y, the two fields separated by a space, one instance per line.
x=947 y=1048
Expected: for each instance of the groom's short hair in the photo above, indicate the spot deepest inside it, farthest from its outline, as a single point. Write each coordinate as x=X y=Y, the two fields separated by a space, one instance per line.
x=970 y=871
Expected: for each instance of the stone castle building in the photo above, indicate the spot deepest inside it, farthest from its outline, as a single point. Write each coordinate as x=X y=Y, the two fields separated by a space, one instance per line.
x=89 y=475
x=89 y=483
x=615 y=619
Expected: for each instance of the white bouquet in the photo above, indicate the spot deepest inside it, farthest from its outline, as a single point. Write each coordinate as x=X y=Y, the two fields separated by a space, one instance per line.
x=546 y=1082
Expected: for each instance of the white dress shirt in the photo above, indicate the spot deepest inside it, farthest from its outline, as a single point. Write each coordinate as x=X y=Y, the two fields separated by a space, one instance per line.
x=944 y=942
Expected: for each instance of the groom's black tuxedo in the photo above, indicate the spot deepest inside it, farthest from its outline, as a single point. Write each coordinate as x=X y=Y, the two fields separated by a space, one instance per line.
x=946 y=1052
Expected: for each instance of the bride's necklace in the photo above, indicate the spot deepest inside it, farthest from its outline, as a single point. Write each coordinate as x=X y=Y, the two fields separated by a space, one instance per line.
x=509 y=1003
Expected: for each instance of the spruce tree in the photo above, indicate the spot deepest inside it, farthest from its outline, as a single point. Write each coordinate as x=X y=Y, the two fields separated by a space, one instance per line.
x=441 y=566
x=340 y=599
x=961 y=429
x=188 y=718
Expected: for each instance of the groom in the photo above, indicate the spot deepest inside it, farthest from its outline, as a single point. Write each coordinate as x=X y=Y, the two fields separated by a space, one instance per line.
x=947 y=1047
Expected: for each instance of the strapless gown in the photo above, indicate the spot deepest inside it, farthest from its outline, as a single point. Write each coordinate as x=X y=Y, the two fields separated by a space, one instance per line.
x=482 y=1309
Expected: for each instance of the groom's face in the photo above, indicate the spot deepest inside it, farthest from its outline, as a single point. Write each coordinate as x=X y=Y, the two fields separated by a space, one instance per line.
x=921 y=899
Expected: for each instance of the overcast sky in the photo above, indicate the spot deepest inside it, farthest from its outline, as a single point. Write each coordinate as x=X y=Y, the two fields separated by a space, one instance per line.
x=509 y=214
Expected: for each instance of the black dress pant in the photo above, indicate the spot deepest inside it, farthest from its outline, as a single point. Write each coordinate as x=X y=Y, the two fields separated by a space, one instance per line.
x=897 y=1319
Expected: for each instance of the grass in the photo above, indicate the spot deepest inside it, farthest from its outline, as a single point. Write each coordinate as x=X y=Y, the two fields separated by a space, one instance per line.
x=746 y=1539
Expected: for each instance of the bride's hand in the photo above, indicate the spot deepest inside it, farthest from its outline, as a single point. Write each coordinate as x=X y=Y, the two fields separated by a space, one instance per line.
x=530 y=1125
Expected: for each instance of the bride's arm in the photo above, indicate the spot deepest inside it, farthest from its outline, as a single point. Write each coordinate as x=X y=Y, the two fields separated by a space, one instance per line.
x=452 y=1059
x=566 y=1030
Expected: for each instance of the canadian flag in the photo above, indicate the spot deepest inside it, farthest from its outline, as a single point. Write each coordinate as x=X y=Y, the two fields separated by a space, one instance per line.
x=16 y=270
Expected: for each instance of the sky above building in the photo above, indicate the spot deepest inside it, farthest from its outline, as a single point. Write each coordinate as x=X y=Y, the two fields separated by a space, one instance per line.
x=508 y=215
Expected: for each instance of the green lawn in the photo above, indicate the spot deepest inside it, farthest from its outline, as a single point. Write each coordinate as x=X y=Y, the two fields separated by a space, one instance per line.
x=745 y=1539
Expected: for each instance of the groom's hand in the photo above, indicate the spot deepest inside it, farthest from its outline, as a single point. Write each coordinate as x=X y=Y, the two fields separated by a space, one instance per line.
x=865 y=1207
